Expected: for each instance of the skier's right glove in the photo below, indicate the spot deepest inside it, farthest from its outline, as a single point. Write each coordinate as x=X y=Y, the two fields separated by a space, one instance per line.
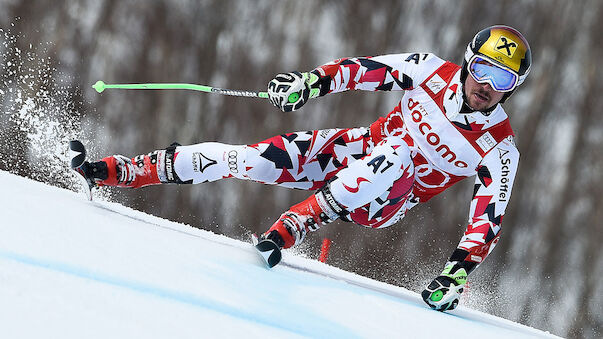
x=444 y=292
x=290 y=91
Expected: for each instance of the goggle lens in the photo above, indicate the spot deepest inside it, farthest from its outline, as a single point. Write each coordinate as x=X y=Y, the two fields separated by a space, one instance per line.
x=483 y=71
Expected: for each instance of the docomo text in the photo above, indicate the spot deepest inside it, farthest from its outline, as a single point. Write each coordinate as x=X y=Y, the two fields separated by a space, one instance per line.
x=432 y=138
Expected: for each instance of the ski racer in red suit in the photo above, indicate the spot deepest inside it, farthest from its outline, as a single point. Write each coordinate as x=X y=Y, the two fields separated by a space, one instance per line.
x=449 y=125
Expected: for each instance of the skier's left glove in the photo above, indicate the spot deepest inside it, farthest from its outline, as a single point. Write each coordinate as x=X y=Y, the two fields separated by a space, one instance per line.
x=444 y=292
x=290 y=91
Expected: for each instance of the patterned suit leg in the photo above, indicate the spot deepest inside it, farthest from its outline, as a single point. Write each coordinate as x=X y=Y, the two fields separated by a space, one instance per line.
x=376 y=190
x=305 y=160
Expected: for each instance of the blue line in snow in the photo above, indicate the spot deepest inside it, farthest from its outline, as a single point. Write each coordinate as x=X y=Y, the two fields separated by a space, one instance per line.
x=308 y=326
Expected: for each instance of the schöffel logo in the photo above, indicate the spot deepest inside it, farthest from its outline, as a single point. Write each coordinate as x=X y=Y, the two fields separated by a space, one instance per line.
x=506 y=170
x=202 y=162
x=433 y=139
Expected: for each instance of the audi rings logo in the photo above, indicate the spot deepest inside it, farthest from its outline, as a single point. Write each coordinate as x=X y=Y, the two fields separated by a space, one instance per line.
x=232 y=161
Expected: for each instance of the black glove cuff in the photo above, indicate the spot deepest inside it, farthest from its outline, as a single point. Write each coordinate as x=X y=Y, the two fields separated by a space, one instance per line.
x=323 y=83
x=459 y=255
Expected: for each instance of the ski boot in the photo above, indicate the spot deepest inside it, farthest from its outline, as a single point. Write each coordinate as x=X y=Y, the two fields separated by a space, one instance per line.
x=121 y=171
x=293 y=225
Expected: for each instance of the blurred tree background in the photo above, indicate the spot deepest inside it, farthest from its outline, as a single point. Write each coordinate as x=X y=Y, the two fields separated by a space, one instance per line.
x=545 y=271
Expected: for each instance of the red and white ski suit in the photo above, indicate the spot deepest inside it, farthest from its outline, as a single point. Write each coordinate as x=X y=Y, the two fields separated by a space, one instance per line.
x=445 y=145
x=422 y=147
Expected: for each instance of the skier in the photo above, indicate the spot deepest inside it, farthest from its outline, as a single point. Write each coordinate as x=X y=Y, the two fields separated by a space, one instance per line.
x=449 y=125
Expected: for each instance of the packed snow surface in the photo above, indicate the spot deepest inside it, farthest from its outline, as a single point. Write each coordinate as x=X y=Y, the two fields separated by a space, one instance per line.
x=70 y=268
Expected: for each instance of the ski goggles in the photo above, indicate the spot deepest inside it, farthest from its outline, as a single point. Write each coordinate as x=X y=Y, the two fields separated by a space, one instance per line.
x=501 y=79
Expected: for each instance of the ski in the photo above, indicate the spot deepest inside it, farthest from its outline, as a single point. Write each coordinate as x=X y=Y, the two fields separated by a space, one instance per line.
x=77 y=159
x=268 y=250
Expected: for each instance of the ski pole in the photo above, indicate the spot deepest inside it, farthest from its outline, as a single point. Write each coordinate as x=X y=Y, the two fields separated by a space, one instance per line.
x=100 y=86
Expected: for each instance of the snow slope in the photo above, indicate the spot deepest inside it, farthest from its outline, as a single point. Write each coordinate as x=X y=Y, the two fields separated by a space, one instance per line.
x=70 y=268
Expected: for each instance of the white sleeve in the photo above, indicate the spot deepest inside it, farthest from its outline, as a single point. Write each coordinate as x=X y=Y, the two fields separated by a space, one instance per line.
x=392 y=72
x=492 y=192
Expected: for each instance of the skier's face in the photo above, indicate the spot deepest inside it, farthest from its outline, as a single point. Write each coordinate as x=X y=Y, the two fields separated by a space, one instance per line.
x=481 y=96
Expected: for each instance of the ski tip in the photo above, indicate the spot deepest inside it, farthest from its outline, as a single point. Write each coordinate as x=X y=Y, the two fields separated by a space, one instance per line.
x=268 y=250
x=77 y=156
x=77 y=153
x=99 y=86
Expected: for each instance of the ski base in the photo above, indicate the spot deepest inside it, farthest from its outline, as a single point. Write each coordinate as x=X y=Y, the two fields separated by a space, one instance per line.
x=83 y=184
x=268 y=250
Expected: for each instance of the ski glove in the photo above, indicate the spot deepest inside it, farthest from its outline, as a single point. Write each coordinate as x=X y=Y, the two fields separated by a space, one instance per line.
x=444 y=292
x=290 y=91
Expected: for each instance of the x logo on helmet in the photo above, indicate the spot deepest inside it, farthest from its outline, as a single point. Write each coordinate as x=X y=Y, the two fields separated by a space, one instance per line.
x=509 y=45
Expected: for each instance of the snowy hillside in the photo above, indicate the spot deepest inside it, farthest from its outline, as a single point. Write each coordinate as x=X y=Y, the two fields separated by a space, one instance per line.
x=74 y=269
